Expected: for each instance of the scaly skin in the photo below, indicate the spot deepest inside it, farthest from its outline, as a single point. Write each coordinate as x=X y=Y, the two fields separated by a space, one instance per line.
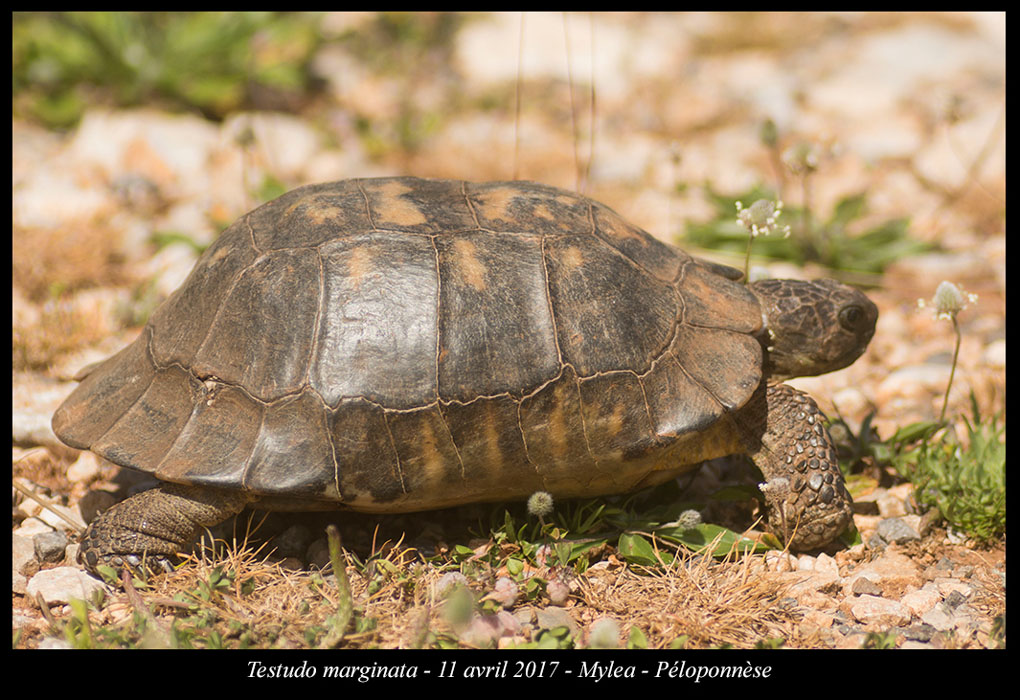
x=148 y=530
x=808 y=504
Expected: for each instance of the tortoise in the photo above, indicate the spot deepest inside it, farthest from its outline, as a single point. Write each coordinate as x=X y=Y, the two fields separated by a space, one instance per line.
x=402 y=344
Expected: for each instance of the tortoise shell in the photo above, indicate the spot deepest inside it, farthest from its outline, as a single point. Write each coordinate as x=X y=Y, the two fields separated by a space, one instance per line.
x=400 y=344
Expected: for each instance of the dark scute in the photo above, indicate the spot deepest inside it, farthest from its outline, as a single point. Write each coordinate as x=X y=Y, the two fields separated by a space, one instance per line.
x=648 y=252
x=142 y=436
x=183 y=321
x=217 y=441
x=730 y=273
x=609 y=313
x=310 y=216
x=678 y=404
x=414 y=205
x=554 y=435
x=103 y=396
x=529 y=208
x=262 y=337
x=616 y=419
x=377 y=332
x=496 y=330
x=488 y=437
x=292 y=454
x=725 y=364
x=711 y=301
x=430 y=466
x=366 y=460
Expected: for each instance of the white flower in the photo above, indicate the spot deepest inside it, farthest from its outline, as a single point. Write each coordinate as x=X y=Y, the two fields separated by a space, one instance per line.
x=949 y=300
x=760 y=218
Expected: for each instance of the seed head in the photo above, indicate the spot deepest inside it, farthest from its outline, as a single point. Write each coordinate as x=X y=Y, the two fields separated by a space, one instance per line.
x=605 y=634
x=689 y=519
x=801 y=158
x=540 y=504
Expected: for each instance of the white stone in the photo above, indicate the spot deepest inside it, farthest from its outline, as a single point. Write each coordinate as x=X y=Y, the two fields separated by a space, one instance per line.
x=921 y=601
x=870 y=609
x=63 y=583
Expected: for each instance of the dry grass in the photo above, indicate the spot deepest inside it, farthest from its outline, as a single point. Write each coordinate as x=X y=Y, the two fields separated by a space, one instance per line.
x=240 y=598
x=712 y=603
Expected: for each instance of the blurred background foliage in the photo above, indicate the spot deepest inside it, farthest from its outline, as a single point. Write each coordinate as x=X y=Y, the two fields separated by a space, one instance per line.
x=214 y=62
x=211 y=62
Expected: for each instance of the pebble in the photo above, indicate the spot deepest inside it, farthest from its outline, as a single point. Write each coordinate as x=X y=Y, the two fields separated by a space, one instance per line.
x=22 y=554
x=49 y=546
x=292 y=542
x=875 y=610
x=63 y=583
x=896 y=530
x=865 y=586
x=894 y=573
x=922 y=600
x=551 y=617
x=939 y=617
x=84 y=469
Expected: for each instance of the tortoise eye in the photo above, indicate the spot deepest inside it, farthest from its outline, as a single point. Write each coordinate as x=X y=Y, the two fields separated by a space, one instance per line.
x=850 y=317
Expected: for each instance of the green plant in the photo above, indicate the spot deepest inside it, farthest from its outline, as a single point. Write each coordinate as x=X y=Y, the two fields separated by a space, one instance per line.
x=833 y=243
x=880 y=640
x=215 y=62
x=966 y=482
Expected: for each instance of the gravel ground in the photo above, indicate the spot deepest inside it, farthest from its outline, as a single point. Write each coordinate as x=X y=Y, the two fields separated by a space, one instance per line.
x=909 y=108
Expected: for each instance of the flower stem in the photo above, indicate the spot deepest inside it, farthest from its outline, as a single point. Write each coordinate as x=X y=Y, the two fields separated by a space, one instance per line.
x=952 y=372
x=747 y=260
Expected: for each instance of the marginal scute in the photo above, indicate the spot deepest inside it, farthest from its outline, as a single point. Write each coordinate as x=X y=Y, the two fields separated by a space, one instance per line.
x=554 y=434
x=491 y=448
x=616 y=420
x=103 y=396
x=367 y=466
x=182 y=323
x=219 y=435
x=679 y=405
x=725 y=364
x=430 y=465
x=144 y=433
x=711 y=301
x=292 y=454
x=651 y=254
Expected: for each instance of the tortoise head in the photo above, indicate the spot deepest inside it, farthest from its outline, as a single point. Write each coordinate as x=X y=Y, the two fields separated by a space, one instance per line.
x=813 y=327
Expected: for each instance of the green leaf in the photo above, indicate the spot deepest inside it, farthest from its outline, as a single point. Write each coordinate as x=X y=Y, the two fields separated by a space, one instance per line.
x=514 y=566
x=636 y=639
x=722 y=540
x=637 y=550
x=848 y=209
